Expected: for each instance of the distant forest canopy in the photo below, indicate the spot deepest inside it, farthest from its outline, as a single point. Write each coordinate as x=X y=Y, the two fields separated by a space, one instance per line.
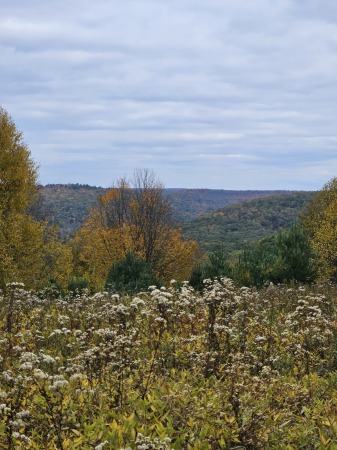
x=239 y=225
x=67 y=205
x=136 y=232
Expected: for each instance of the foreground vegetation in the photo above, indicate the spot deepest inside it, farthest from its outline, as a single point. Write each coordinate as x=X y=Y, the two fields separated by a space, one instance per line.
x=169 y=369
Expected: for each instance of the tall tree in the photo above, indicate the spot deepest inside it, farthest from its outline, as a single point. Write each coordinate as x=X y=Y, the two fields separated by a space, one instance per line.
x=141 y=207
x=150 y=216
x=18 y=172
x=320 y=221
x=134 y=217
x=29 y=251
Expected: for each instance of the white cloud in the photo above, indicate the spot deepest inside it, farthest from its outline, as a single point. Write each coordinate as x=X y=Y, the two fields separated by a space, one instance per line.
x=149 y=83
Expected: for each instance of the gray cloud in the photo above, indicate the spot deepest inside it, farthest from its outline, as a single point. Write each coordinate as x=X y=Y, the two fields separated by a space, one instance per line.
x=217 y=94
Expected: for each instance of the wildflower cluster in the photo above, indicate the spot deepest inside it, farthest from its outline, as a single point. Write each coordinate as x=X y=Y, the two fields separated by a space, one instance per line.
x=169 y=368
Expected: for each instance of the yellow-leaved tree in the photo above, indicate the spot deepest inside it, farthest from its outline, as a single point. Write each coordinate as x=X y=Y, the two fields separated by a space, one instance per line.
x=96 y=247
x=320 y=221
x=29 y=250
x=133 y=218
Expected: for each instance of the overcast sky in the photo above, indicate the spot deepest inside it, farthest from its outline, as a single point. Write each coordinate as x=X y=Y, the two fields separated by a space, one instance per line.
x=228 y=94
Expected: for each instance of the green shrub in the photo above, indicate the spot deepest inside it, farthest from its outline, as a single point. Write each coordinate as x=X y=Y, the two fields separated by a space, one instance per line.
x=131 y=274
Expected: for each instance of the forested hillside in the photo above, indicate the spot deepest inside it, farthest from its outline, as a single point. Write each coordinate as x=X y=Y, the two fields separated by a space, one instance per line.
x=67 y=204
x=188 y=204
x=243 y=223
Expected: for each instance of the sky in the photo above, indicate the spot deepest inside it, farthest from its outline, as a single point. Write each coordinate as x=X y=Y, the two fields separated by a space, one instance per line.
x=219 y=94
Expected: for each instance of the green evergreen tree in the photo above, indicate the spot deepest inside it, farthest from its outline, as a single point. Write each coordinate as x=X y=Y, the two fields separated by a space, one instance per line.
x=131 y=274
x=295 y=255
x=197 y=277
x=283 y=257
x=216 y=266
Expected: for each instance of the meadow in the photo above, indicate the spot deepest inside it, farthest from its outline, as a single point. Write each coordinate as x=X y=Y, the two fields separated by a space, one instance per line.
x=170 y=368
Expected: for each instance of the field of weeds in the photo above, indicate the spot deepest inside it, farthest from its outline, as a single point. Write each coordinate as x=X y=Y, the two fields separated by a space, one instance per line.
x=169 y=369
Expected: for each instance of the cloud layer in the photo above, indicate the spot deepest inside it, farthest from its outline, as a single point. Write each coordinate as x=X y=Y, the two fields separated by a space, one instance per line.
x=218 y=94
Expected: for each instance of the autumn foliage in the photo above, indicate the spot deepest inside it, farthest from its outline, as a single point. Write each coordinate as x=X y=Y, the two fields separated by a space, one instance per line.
x=29 y=249
x=320 y=220
x=133 y=218
x=130 y=218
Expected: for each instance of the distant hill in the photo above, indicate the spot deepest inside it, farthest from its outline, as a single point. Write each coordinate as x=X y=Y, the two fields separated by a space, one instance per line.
x=238 y=225
x=188 y=204
x=67 y=205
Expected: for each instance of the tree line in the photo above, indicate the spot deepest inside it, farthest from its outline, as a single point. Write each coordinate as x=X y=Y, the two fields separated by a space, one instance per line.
x=132 y=221
x=306 y=252
x=130 y=240
x=286 y=256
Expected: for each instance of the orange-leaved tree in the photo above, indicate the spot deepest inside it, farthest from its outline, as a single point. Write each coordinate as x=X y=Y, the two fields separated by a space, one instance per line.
x=133 y=218
x=97 y=247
